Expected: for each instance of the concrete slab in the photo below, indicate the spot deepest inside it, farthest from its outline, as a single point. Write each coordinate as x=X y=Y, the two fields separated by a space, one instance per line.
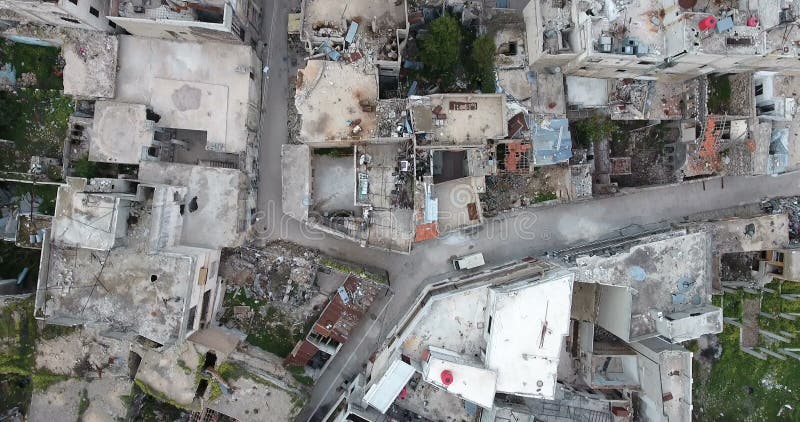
x=216 y=194
x=457 y=199
x=331 y=97
x=120 y=133
x=334 y=183
x=90 y=64
x=587 y=92
x=296 y=180
x=459 y=119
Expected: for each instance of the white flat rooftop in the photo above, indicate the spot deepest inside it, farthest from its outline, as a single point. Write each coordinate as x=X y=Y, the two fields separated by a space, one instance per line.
x=470 y=382
x=528 y=327
x=196 y=86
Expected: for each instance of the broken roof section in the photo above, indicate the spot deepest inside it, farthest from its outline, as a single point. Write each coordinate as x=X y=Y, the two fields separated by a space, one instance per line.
x=336 y=101
x=508 y=29
x=121 y=133
x=645 y=289
x=345 y=309
x=458 y=119
x=175 y=80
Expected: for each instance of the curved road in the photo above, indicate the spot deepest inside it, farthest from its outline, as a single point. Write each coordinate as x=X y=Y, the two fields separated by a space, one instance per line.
x=526 y=233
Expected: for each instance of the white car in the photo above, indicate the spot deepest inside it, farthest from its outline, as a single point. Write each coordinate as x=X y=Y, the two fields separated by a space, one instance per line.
x=469 y=261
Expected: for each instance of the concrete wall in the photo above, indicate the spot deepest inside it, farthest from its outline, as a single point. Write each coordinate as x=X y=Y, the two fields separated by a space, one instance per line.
x=205 y=260
x=614 y=313
x=174 y=30
x=83 y=12
x=47 y=14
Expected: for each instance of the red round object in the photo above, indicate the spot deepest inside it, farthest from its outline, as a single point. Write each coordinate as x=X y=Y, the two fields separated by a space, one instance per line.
x=752 y=21
x=707 y=23
x=403 y=393
x=447 y=377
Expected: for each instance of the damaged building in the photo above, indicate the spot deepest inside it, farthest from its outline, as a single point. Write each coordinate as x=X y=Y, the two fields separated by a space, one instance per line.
x=432 y=368
x=374 y=31
x=663 y=39
x=193 y=21
x=343 y=312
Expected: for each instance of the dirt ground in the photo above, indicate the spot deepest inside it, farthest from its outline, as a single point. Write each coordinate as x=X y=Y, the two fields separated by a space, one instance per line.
x=652 y=163
x=507 y=191
x=737 y=266
x=271 y=294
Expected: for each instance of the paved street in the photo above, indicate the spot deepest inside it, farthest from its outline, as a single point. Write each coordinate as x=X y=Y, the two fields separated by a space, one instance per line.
x=530 y=232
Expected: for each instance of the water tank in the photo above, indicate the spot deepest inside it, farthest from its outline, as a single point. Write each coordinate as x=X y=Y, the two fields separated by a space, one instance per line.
x=447 y=377
x=707 y=23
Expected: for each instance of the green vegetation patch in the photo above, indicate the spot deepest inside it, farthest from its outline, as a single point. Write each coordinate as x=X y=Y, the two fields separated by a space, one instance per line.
x=17 y=336
x=231 y=371
x=83 y=404
x=743 y=387
x=299 y=373
x=35 y=122
x=719 y=95
x=593 y=129
x=354 y=269
x=44 y=379
x=44 y=62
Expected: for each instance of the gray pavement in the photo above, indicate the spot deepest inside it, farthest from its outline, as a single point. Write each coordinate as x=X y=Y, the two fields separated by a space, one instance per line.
x=527 y=233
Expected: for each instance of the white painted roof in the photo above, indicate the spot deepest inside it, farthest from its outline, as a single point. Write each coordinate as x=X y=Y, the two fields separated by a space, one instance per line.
x=471 y=383
x=528 y=327
x=384 y=392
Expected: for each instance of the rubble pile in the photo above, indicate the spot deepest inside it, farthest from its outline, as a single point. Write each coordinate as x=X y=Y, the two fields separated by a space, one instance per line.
x=275 y=274
x=791 y=207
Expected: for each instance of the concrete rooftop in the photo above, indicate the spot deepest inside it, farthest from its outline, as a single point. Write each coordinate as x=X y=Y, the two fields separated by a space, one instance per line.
x=90 y=64
x=459 y=119
x=218 y=194
x=664 y=274
x=525 y=341
x=331 y=96
x=188 y=89
x=120 y=133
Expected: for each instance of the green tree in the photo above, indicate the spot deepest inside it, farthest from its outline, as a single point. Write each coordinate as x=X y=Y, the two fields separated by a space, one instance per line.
x=86 y=168
x=593 y=129
x=482 y=64
x=440 y=49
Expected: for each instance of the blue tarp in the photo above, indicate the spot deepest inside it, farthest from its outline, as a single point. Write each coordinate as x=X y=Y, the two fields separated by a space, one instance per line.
x=351 y=32
x=330 y=52
x=552 y=143
x=8 y=75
